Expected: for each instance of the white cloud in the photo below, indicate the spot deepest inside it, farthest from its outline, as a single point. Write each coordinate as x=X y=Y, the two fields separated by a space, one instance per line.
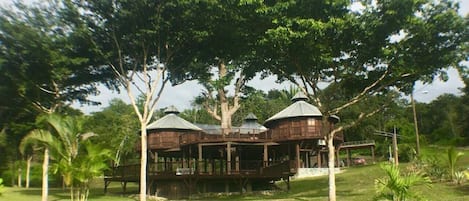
x=428 y=92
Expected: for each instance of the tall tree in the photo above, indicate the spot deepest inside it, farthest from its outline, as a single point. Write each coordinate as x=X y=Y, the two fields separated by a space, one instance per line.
x=44 y=139
x=221 y=35
x=44 y=65
x=366 y=52
x=136 y=41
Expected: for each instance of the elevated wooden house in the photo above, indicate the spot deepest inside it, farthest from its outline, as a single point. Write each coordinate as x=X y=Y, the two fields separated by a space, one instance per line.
x=186 y=158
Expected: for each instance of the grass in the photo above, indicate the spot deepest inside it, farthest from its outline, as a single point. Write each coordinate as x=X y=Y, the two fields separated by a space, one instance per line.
x=354 y=184
x=59 y=194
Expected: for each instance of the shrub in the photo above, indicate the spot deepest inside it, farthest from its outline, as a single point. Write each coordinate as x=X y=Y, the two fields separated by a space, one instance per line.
x=459 y=177
x=434 y=168
x=397 y=186
x=1 y=186
x=406 y=153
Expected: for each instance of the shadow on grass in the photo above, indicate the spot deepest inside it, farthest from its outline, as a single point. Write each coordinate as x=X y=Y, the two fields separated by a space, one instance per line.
x=58 y=194
x=462 y=189
x=96 y=193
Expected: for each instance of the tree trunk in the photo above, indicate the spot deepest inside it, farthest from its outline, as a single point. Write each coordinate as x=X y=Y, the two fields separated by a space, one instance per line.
x=143 y=163
x=45 y=178
x=225 y=117
x=28 y=169
x=224 y=103
x=331 y=168
x=20 y=173
x=417 y=150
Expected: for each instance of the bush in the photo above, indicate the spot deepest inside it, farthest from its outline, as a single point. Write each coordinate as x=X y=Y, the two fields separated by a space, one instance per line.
x=398 y=187
x=434 y=168
x=406 y=153
x=1 y=186
x=459 y=177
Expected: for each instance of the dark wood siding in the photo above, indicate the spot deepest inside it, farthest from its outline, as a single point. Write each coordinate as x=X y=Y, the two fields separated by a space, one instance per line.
x=296 y=128
x=163 y=140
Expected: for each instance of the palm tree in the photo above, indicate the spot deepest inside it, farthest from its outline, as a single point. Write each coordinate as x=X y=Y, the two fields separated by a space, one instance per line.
x=453 y=158
x=90 y=164
x=43 y=139
x=396 y=187
x=63 y=141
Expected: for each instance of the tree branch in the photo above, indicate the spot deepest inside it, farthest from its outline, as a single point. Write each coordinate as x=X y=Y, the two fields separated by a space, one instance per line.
x=359 y=119
x=211 y=110
x=240 y=83
x=361 y=95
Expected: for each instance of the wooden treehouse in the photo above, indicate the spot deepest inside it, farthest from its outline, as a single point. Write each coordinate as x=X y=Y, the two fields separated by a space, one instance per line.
x=186 y=158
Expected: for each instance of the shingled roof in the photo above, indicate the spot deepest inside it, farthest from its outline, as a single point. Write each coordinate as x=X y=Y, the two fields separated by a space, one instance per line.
x=299 y=108
x=172 y=121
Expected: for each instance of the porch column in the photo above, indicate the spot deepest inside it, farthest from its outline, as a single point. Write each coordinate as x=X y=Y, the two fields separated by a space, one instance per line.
x=189 y=159
x=319 y=159
x=156 y=161
x=237 y=163
x=183 y=159
x=349 y=156
x=228 y=158
x=199 y=165
x=373 y=154
x=297 y=150
x=266 y=156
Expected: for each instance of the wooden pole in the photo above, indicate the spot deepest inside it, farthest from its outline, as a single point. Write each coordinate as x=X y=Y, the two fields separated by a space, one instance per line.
x=417 y=150
x=199 y=166
x=156 y=161
x=298 y=163
x=394 y=143
x=349 y=157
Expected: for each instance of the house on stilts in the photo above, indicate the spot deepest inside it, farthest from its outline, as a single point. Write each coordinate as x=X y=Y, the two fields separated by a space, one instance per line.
x=187 y=158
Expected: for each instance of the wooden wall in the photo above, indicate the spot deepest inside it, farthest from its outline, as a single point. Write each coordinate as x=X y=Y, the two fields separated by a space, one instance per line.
x=297 y=129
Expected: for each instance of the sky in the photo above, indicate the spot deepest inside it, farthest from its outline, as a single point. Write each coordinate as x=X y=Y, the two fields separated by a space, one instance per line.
x=182 y=95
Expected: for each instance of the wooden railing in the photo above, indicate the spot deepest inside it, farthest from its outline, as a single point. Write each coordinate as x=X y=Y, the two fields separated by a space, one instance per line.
x=358 y=143
x=255 y=136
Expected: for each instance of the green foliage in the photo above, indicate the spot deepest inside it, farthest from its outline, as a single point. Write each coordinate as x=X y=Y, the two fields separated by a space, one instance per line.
x=443 y=120
x=116 y=127
x=75 y=158
x=256 y=101
x=90 y=163
x=434 y=167
x=459 y=177
x=1 y=186
x=397 y=187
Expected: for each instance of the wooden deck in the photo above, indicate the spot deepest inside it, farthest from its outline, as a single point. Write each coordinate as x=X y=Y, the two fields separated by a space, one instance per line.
x=187 y=181
x=354 y=145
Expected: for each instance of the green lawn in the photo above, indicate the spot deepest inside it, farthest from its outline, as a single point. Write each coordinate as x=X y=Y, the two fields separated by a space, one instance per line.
x=58 y=194
x=354 y=184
